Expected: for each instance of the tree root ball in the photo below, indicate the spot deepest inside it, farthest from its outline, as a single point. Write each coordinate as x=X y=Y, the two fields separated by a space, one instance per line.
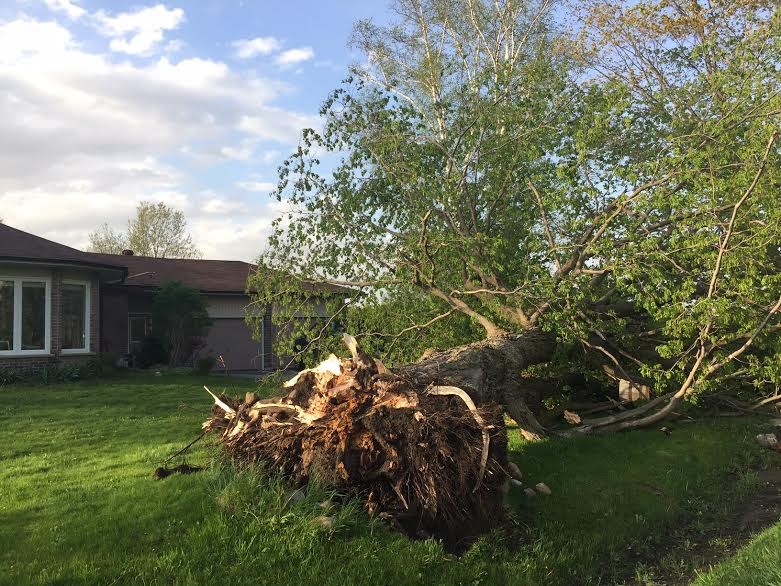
x=424 y=459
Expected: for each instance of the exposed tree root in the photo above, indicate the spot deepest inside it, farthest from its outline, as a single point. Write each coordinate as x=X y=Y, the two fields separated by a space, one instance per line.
x=425 y=457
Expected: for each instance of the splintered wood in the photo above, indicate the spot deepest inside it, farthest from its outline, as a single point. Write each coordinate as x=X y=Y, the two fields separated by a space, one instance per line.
x=425 y=459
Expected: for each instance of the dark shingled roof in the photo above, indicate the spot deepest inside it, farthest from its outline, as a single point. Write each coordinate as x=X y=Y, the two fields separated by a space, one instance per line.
x=16 y=245
x=211 y=276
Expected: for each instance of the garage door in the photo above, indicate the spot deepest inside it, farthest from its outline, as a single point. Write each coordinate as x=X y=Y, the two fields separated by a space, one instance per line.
x=231 y=339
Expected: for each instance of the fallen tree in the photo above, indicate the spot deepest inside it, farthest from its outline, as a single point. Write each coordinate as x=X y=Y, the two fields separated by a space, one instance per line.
x=486 y=187
x=429 y=458
x=490 y=371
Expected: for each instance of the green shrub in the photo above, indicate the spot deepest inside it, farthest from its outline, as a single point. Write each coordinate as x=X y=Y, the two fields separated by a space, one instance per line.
x=66 y=373
x=152 y=352
x=106 y=363
x=9 y=376
x=204 y=365
x=180 y=319
x=52 y=373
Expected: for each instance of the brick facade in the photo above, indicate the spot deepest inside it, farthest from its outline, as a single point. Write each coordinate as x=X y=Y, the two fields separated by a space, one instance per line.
x=114 y=335
x=26 y=364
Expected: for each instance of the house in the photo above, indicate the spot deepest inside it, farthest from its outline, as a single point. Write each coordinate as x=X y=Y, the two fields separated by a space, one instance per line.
x=60 y=305
x=126 y=307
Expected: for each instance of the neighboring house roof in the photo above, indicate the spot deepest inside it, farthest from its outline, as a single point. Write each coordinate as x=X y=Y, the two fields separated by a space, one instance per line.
x=19 y=246
x=209 y=276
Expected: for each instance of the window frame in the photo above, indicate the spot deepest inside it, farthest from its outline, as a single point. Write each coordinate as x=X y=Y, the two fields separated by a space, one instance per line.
x=87 y=311
x=147 y=316
x=16 y=350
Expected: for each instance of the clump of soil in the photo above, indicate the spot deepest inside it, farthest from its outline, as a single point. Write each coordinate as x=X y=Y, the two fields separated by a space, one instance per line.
x=164 y=471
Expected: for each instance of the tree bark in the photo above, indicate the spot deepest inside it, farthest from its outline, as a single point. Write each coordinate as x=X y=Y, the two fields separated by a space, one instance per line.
x=490 y=372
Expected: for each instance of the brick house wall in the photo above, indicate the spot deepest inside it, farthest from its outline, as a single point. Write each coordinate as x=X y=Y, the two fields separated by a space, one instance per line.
x=114 y=334
x=26 y=364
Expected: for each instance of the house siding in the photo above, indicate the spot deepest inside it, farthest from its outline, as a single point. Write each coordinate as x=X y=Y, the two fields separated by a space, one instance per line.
x=114 y=335
x=271 y=360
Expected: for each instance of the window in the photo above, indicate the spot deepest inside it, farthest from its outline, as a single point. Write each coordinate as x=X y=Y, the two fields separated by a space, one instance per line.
x=74 y=326
x=140 y=328
x=24 y=316
x=33 y=315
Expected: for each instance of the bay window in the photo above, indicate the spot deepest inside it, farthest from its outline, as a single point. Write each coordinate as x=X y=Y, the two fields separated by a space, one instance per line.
x=25 y=310
x=74 y=321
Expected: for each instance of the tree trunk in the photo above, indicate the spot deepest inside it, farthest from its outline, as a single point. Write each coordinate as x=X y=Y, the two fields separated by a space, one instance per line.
x=490 y=371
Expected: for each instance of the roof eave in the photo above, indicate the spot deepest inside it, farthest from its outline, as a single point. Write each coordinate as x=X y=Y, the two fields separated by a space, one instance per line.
x=61 y=262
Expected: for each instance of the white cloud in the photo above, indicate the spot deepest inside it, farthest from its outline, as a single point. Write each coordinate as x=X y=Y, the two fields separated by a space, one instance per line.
x=139 y=32
x=244 y=239
x=248 y=48
x=20 y=39
x=174 y=46
x=241 y=152
x=90 y=137
x=72 y=106
x=294 y=56
x=270 y=156
x=278 y=125
x=77 y=211
x=257 y=186
x=218 y=206
x=72 y=10
x=222 y=228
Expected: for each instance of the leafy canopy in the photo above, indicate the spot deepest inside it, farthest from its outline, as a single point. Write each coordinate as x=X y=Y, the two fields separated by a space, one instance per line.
x=180 y=319
x=157 y=230
x=616 y=183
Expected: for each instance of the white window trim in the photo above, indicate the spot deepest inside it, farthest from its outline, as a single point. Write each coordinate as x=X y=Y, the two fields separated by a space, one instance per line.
x=17 y=341
x=87 y=312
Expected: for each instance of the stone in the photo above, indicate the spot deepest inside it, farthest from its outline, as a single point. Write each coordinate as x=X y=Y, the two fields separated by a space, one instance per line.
x=514 y=471
x=542 y=488
x=324 y=522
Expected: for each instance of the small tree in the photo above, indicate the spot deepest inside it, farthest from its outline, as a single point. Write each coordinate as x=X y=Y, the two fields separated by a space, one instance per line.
x=180 y=320
x=107 y=241
x=157 y=230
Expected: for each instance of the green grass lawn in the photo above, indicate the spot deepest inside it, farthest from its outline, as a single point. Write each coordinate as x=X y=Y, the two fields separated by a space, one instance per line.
x=756 y=564
x=78 y=503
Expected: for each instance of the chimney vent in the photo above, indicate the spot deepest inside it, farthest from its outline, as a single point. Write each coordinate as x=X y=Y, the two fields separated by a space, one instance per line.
x=127 y=252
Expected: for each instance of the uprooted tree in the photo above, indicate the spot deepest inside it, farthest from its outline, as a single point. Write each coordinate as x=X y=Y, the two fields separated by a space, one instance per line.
x=486 y=175
x=423 y=456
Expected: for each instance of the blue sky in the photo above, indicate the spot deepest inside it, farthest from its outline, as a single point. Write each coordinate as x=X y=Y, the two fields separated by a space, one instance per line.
x=104 y=104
